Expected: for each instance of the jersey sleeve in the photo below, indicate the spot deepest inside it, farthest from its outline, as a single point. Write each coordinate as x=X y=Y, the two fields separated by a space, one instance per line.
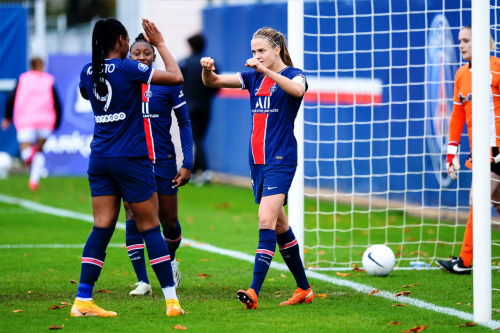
x=457 y=116
x=178 y=101
x=244 y=79
x=138 y=72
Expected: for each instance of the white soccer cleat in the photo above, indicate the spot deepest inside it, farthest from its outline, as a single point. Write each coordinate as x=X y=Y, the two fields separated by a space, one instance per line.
x=176 y=273
x=143 y=288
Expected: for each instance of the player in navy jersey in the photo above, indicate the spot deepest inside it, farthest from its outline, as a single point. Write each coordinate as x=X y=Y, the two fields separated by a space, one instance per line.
x=276 y=91
x=119 y=165
x=157 y=105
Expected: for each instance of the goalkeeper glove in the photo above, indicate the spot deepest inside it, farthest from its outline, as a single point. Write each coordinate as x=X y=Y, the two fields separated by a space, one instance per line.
x=452 y=164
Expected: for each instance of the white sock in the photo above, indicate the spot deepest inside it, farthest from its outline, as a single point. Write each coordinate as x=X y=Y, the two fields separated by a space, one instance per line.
x=26 y=153
x=169 y=293
x=36 y=167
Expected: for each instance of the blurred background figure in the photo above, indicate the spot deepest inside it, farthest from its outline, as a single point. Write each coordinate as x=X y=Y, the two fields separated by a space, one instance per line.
x=199 y=99
x=35 y=108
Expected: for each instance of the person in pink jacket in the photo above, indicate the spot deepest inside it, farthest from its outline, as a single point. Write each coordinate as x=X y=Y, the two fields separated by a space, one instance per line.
x=34 y=107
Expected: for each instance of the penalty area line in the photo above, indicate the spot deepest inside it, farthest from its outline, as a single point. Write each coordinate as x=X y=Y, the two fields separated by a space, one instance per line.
x=491 y=324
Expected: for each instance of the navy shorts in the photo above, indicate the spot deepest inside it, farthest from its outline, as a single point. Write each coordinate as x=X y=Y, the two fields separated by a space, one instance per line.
x=271 y=179
x=164 y=174
x=129 y=177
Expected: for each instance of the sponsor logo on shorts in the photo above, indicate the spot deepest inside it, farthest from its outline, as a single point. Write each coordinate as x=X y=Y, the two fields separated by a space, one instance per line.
x=109 y=118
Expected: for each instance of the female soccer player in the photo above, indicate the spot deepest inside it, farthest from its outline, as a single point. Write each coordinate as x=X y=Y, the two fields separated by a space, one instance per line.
x=119 y=165
x=157 y=103
x=276 y=91
x=462 y=112
x=36 y=110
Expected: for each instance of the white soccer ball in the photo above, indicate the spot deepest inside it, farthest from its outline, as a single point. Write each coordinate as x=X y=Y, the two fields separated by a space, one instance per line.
x=378 y=260
x=5 y=164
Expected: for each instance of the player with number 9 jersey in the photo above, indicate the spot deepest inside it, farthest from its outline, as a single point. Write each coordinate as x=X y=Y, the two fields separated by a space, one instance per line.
x=119 y=166
x=118 y=130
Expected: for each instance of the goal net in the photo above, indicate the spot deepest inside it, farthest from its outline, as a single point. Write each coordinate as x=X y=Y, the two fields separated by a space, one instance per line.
x=376 y=116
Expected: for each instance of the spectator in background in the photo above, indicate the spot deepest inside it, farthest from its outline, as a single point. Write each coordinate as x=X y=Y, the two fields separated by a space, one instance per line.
x=35 y=108
x=198 y=97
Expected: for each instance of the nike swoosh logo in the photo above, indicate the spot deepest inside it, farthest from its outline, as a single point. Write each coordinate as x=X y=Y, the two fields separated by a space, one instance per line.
x=271 y=188
x=375 y=261
x=83 y=313
x=460 y=269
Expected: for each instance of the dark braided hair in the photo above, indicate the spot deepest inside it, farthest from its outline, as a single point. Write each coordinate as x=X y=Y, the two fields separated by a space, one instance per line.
x=104 y=36
x=276 y=39
x=140 y=39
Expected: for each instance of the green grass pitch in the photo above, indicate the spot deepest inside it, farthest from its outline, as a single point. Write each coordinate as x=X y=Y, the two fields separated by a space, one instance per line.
x=34 y=279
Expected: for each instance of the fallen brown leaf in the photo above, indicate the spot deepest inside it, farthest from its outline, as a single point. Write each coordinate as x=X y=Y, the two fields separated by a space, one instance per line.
x=65 y=303
x=202 y=275
x=55 y=327
x=30 y=292
x=284 y=276
x=223 y=288
x=103 y=291
x=374 y=291
x=179 y=327
x=357 y=269
x=72 y=281
x=467 y=325
x=409 y=285
x=415 y=329
x=53 y=307
x=403 y=293
x=320 y=295
x=394 y=323
x=399 y=304
x=343 y=274
x=17 y=311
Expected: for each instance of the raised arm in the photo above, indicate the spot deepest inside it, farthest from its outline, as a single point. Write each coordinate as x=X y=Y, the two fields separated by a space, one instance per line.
x=213 y=80
x=291 y=87
x=172 y=75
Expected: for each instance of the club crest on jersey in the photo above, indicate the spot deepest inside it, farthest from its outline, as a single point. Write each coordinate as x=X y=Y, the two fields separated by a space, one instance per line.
x=148 y=94
x=142 y=67
x=465 y=99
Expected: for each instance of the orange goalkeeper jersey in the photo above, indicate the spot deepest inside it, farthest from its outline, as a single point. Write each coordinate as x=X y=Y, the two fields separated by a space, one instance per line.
x=462 y=104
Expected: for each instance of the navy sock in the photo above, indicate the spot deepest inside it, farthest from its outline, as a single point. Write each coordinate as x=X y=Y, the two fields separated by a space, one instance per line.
x=263 y=257
x=135 y=249
x=93 y=256
x=159 y=256
x=173 y=238
x=289 y=249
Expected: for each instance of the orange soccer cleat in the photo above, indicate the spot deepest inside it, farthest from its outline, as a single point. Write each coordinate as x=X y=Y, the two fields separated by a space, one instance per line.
x=300 y=296
x=89 y=309
x=174 y=308
x=249 y=298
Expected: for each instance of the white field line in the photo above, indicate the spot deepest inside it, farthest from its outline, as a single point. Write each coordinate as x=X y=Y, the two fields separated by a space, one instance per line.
x=492 y=324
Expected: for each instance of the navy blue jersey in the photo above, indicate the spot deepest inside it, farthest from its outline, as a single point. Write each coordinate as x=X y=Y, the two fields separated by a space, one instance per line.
x=157 y=105
x=118 y=129
x=273 y=114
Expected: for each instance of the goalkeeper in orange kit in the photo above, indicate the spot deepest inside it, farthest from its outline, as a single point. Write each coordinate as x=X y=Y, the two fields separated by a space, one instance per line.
x=462 y=112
